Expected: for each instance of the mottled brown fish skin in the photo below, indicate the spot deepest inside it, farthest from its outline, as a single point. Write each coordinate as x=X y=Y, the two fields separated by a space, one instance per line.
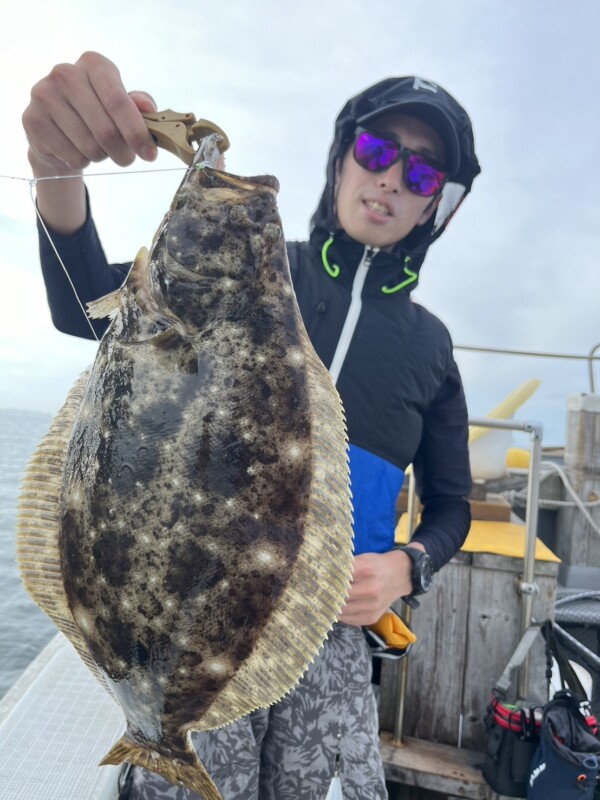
x=190 y=466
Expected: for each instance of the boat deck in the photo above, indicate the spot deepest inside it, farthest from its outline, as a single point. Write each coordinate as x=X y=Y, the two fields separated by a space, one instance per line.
x=56 y=724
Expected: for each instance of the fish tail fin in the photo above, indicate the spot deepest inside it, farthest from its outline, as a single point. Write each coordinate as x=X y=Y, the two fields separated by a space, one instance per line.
x=183 y=769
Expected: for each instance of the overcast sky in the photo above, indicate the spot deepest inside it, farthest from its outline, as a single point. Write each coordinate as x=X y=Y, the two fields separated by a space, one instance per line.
x=519 y=265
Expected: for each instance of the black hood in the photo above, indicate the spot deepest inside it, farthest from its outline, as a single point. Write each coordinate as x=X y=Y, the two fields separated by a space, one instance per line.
x=424 y=100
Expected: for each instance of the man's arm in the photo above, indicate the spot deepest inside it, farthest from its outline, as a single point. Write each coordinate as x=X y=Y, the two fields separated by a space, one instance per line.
x=90 y=276
x=443 y=473
x=443 y=477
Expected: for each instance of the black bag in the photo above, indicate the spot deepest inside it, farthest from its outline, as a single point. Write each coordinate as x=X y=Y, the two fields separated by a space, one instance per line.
x=565 y=765
x=518 y=739
x=512 y=732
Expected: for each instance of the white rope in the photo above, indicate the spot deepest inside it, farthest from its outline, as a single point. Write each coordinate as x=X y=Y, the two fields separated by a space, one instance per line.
x=550 y=466
x=207 y=154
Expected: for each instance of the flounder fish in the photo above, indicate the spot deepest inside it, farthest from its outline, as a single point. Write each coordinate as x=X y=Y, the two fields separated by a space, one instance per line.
x=186 y=521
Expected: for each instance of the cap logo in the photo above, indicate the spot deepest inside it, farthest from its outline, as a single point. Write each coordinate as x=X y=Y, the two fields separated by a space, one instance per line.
x=427 y=85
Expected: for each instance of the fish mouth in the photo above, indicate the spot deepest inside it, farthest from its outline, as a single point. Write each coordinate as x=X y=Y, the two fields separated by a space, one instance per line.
x=218 y=179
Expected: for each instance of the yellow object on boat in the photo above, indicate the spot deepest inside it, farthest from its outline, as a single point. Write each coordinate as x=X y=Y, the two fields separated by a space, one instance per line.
x=499 y=538
x=518 y=458
x=394 y=631
x=507 y=407
x=488 y=446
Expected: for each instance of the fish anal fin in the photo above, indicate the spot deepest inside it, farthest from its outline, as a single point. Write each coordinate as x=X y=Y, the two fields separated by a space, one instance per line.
x=37 y=526
x=183 y=769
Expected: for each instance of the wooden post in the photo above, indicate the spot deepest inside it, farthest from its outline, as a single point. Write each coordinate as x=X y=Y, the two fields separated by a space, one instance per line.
x=578 y=544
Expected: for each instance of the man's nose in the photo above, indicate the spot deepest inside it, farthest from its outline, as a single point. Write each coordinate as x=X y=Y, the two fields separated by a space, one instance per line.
x=392 y=180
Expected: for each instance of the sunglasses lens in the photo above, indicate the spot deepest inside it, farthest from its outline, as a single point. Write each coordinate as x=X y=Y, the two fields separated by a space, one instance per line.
x=377 y=154
x=421 y=177
x=374 y=153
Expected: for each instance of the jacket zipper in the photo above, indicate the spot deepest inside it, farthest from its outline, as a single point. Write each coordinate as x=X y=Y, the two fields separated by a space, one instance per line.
x=353 y=313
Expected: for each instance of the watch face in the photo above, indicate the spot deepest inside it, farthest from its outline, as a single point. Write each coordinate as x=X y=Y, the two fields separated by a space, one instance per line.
x=426 y=572
x=422 y=569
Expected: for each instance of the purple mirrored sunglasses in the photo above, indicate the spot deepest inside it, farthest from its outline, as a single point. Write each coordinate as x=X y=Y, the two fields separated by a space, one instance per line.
x=375 y=152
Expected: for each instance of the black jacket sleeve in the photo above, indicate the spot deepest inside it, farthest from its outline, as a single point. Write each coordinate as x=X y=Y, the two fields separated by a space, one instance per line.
x=88 y=269
x=442 y=472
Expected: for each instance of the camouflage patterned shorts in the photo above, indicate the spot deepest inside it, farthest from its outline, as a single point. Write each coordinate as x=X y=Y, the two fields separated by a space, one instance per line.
x=288 y=752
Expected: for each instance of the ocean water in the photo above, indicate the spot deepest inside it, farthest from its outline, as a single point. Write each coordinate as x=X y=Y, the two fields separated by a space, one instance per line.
x=24 y=629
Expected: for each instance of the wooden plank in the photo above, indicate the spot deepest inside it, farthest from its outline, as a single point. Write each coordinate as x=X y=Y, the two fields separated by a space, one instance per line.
x=467 y=629
x=486 y=505
x=434 y=768
x=493 y=634
x=434 y=694
x=494 y=508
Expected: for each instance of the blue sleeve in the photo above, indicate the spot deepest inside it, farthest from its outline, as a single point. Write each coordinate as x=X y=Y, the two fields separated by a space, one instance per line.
x=89 y=270
x=374 y=485
x=443 y=473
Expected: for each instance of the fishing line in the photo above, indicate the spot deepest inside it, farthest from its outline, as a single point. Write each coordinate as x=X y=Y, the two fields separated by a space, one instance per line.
x=92 y=174
x=207 y=154
x=61 y=262
x=32 y=184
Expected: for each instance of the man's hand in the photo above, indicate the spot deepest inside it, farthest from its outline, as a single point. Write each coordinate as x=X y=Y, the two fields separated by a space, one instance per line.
x=378 y=580
x=81 y=113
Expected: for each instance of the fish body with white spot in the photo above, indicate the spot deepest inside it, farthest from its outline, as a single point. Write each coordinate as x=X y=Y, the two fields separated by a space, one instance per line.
x=186 y=521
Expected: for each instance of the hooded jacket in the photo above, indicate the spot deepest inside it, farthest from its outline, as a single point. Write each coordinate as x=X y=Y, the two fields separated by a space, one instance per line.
x=391 y=358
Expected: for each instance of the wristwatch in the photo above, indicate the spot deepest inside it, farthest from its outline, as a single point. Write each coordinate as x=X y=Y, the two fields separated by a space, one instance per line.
x=421 y=574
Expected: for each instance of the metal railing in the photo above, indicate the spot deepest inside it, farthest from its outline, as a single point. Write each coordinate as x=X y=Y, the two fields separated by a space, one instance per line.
x=590 y=358
x=525 y=585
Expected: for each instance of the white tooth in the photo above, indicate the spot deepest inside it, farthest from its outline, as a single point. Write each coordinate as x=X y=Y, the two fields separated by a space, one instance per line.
x=381 y=209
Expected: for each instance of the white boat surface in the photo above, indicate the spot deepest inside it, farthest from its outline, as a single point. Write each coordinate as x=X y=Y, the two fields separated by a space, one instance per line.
x=56 y=725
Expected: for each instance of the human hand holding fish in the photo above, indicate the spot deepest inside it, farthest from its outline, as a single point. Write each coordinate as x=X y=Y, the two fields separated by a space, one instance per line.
x=78 y=114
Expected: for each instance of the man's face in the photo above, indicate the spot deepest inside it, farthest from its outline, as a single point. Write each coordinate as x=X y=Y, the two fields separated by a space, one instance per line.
x=376 y=208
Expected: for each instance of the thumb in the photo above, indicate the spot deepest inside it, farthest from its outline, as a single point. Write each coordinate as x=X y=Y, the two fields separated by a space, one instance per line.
x=143 y=101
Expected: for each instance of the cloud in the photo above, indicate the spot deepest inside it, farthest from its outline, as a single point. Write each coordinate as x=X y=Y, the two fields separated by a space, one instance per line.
x=38 y=365
x=517 y=267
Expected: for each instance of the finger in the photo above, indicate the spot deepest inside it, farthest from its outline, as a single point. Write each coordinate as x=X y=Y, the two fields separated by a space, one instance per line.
x=121 y=120
x=359 y=618
x=59 y=149
x=144 y=101
x=93 y=133
x=66 y=117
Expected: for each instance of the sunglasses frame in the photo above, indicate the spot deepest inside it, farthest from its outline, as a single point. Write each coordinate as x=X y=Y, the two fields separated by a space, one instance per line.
x=403 y=154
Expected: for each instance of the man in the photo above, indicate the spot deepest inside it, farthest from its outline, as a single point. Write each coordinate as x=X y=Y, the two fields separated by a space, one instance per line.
x=401 y=162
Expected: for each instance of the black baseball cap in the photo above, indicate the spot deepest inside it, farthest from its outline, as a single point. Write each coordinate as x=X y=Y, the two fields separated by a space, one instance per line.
x=429 y=102
x=434 y=115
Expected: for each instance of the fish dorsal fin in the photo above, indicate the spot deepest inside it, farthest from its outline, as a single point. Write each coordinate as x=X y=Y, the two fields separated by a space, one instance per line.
x=37 y=546
x=137 y=282
x=320 y=581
